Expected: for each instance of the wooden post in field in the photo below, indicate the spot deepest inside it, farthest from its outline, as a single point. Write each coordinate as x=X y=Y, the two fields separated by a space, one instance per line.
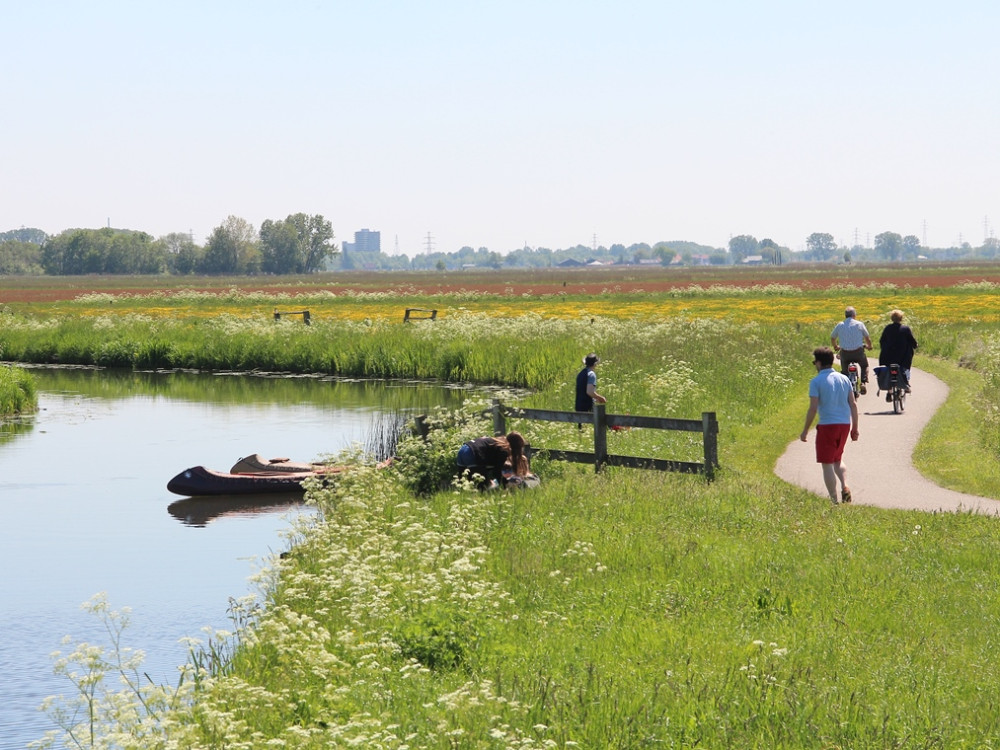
x=421 y=424
x=709 y=433
x=600 y=435
x=499 y=421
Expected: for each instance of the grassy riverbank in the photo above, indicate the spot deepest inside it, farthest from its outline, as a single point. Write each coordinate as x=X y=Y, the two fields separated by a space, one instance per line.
x=17 y=391
x=626 y=609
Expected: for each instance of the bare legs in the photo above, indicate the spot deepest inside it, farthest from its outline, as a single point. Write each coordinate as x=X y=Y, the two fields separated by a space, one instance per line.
x=831 y=473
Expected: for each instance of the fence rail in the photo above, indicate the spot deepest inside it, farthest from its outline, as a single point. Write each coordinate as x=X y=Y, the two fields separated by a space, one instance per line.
x=419 y=313
x=303 y=313
x=708 y=426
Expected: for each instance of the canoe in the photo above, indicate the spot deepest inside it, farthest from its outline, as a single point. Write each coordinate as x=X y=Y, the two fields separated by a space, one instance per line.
x=198 y=481
x=250 y=475
x=257 y=464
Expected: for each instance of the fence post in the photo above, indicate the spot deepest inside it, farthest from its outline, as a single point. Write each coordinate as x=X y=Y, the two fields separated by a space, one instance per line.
x=600 y=435
x=709 y=436
x=499 y=423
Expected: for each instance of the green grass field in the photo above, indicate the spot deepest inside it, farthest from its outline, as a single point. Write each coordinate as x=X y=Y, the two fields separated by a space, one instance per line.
x=624 y=609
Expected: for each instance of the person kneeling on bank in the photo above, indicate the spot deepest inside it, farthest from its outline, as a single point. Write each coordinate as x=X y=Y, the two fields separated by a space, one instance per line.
x=487 y=456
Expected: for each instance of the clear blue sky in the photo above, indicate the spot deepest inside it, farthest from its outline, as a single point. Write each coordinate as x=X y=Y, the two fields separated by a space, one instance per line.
x=500 y=124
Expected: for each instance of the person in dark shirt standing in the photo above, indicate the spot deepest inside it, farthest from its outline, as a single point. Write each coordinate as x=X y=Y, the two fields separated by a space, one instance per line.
x=586 y=385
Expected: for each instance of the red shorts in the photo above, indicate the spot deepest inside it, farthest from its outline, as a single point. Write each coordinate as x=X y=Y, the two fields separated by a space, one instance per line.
x=830 y=442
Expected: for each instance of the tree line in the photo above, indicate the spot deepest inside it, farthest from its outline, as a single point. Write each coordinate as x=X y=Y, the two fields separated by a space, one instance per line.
x=302 y=244
x=294 y=245
x=887 y=247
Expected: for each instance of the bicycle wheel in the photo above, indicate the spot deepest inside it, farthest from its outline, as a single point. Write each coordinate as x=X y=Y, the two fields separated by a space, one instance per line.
x=897 y=400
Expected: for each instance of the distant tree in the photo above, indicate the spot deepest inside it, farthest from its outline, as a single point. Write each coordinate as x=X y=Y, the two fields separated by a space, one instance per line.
x=188 y=259
x=317 y=234
x=525 y=257
x=18 y=258
x=106 y=251
x=911 y=246
x=770 y=251
x=742 y=246
x=888 y=245
x=279 y=248
x=664 y=252
x=30 y=236
x=232 y=248
x=440 y=265
x=821 y=246
x=180 y=253
x=297 y=244
x=174 y=242
x=990 y=248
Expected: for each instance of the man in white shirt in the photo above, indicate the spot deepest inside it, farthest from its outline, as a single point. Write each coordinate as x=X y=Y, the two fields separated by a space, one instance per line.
x=850 y=338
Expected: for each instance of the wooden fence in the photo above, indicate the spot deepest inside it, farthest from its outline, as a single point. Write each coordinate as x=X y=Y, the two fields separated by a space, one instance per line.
x=707 y=426
x=409 y=314
x=303 y=313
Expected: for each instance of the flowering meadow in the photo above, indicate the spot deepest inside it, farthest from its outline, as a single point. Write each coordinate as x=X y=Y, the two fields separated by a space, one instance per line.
x=624 y=609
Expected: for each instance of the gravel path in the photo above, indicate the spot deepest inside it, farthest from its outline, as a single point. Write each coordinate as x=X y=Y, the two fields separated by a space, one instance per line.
x=880 y=464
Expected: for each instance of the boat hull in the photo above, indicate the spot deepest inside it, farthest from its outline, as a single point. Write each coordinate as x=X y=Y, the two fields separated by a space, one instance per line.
x=199 y=481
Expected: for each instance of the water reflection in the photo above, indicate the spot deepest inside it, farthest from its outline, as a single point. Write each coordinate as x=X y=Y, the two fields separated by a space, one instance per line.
x=200 y=511
x=11 y=427
x=245 y=388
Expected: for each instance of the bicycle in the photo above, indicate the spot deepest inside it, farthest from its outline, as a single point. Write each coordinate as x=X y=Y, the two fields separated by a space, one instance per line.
x=854 y=375
x=892 y=380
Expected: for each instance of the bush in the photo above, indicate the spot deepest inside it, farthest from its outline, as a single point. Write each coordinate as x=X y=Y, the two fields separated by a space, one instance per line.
x=427 y=463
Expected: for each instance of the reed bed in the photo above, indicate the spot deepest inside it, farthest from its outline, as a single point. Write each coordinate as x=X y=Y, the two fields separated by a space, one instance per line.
x=17 y=391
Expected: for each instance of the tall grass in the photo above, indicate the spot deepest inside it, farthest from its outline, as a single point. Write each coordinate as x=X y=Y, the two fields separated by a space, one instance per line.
x=17 y=391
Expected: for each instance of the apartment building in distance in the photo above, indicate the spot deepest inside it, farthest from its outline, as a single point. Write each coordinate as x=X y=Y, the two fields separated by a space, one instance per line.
x=365 y=241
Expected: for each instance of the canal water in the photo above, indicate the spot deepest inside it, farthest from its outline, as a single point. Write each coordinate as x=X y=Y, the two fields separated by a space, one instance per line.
x=84 y=509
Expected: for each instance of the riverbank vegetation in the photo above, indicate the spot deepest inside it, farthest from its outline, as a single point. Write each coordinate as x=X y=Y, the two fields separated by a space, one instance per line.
x=621 y=609
x=17 y=391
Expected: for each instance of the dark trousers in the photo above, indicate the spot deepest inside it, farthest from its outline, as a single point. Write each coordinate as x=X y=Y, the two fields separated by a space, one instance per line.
x=857 y=356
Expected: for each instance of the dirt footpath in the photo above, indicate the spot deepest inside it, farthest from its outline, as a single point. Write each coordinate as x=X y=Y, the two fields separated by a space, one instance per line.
x=879 y=465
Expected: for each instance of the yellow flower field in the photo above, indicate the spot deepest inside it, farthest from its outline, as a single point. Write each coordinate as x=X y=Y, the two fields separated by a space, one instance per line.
x=971 y=303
